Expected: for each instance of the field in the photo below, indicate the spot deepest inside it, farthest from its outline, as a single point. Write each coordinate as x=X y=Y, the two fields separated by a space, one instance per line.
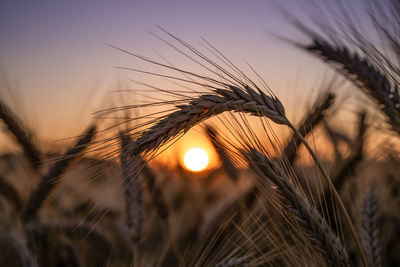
x=321 y=189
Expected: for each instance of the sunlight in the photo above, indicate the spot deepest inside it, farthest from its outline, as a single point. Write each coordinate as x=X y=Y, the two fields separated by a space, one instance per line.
x=196 y=159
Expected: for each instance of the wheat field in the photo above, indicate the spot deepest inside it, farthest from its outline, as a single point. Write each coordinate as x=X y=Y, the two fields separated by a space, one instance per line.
x=314 y=191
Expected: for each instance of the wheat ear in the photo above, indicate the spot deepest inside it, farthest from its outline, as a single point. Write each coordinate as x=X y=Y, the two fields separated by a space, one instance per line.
x=49 y=180
x=313 y=117
x=370 y=238
x=207 y=106
x=335 y=195
x=231 y=98
x=131 y=167
x=364 y=75
x=318 y=231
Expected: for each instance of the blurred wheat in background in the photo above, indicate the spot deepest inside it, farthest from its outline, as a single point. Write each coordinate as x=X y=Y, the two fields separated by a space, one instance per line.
x=264 y=189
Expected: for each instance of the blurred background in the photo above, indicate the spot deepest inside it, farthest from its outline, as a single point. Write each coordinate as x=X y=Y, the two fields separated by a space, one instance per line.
x=68 y=64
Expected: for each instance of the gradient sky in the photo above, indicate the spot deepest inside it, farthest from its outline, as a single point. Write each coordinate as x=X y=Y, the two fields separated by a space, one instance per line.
x=55 y=49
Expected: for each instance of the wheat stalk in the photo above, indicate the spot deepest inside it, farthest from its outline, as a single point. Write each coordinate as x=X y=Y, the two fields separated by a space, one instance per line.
x=154 y=190
x=131 y=167
x=49 y=180
x=318 y=231
x=207 y=106
x=370 y=234
x=364 y=75
x=313 y=117
x=20 y=132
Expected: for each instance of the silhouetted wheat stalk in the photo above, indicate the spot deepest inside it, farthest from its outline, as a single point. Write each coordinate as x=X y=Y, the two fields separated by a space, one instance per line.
x=49 y=180
x=131 y=167
x=370 y=234
x=312 y=118
x=229 y=98
x=364 y=75
x=239 y=100
x=207 y=106
x=318 y=231
x=370 y=64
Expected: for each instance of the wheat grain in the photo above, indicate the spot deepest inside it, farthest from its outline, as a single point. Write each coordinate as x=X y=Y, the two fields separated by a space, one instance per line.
x=239 y=97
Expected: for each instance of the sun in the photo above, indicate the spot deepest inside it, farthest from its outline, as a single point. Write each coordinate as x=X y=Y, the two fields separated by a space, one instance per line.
x=196 y=159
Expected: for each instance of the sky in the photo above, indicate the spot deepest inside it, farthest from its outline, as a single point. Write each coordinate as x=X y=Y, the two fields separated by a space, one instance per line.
x=55 y=52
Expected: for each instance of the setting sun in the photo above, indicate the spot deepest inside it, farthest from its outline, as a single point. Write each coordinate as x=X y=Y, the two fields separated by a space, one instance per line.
x=196 y=159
